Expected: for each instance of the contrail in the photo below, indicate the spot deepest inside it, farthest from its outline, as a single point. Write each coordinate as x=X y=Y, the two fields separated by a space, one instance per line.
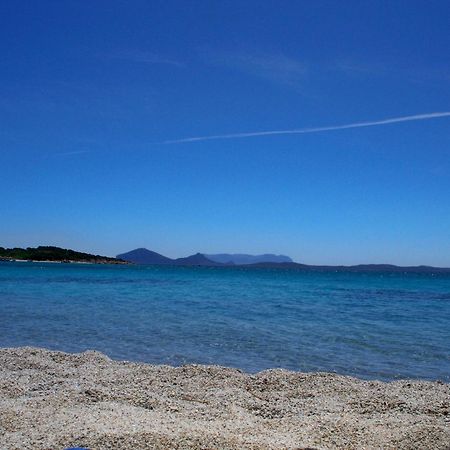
x=374 y=123
x=76 y=152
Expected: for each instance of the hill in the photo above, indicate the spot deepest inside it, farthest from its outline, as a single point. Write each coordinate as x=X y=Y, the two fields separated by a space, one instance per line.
x=196 y=260
x=144 y=256
x=355 y=268
x=50 y=253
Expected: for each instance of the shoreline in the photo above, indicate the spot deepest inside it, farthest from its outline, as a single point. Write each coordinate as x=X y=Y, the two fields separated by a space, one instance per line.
x=53 y=399
x=294 y=267
x=100 y=262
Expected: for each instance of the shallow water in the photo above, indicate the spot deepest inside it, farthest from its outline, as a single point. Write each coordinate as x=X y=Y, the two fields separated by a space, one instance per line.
x=370 y=325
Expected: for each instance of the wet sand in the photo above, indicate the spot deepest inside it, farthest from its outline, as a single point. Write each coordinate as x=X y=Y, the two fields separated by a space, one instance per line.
x=52 y=400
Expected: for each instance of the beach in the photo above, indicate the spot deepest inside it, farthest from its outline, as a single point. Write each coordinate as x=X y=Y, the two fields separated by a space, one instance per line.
x=225 y=225
x=53 y=400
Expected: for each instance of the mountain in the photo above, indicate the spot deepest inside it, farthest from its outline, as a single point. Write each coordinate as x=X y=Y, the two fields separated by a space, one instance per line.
x=242 y=258
x=144 y=256
x=51 y=253
x=196 y=260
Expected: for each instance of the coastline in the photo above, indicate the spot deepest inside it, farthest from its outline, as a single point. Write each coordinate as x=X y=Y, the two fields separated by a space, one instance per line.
x=54 y=400
x=69 y=261
x=294 y=266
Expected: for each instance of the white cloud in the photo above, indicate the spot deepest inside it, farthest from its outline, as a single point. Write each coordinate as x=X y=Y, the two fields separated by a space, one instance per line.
x=276 y=68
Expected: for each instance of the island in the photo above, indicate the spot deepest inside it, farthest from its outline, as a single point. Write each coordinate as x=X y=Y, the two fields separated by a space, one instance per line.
x=55 y=254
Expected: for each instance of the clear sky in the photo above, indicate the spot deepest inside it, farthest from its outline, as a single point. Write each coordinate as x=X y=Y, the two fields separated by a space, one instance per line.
x=91 y=91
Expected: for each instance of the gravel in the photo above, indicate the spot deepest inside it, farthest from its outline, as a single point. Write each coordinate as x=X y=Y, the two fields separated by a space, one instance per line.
x=52 y=400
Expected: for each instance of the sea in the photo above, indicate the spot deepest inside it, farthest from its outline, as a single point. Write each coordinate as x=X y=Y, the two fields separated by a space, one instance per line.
x=383 y=326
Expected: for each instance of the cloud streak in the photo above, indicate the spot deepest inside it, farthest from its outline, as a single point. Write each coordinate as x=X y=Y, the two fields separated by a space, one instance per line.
x=276 y=68
x=75 y=152
x=375 y=123
x=139 y=56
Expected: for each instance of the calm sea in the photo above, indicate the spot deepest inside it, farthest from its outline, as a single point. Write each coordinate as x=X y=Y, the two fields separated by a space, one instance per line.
x=370 y=325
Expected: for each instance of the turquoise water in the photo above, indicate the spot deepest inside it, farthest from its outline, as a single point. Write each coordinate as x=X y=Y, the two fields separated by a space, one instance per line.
x=370 y=325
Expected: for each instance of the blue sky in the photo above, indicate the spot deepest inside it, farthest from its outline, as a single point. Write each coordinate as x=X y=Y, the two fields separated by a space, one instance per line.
x=91 y=91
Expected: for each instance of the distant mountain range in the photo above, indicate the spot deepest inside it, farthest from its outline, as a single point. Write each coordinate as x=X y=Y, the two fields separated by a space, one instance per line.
x=242 y=258
x=355 y=268
x=144 y=256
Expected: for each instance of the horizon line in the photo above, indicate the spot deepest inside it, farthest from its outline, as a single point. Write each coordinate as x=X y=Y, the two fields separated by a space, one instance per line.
x=416 y=117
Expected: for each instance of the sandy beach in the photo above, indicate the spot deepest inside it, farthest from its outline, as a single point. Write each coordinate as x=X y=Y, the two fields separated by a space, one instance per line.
x=52 y=400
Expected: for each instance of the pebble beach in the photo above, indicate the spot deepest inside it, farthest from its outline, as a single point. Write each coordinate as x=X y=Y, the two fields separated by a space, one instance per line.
x=53 y=400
